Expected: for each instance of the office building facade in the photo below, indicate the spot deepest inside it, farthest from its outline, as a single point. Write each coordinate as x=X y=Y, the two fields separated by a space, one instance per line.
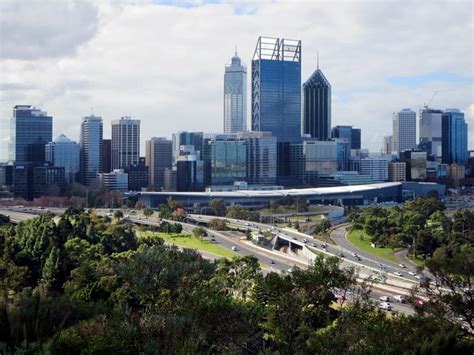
x=227 y=162
x=30 y=130
x=317 y=106
x=261 y=157
x=431 y=131
x=235 y=96
x=454 y=137
x=185 y=138
x=138 y=176
x=91 y=148
x=117 y=180
x=106 y=155
x=387 y=146
x=158 y=157
x=125 y=142
x=396 y=171
x=66 y=153
x=404 y=130
x=376 y=167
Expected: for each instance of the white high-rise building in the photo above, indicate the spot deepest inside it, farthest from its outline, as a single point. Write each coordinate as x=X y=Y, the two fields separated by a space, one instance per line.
x=125 y=142
x=404 y=130
x=91 y=148
x=235 y=96
x=66 y=153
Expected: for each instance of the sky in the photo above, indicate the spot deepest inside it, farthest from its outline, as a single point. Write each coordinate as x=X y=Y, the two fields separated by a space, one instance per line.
x=162 y=62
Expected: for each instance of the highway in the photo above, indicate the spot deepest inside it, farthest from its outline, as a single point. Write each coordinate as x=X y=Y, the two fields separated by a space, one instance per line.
x=270 y=260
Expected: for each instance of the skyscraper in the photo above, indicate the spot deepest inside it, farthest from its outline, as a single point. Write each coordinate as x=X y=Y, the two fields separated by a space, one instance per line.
x=454 y=137
x=430 y=131
x=125 y=142
x=317 y=106
x=30 y=130
x=91 y=148
x=276 y=88
x=66 y=153
x=404 y=130
x=158 y=156
x=235 y=96
x=106 y=155
x=194 y=139
x=351 y=135
x=387 y=146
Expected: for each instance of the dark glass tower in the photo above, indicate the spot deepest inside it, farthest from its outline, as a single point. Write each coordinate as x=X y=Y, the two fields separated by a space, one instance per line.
x=317 y=106
x=30 y=130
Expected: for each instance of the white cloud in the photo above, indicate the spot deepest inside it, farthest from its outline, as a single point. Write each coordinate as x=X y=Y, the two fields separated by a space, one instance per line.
x=164 y=64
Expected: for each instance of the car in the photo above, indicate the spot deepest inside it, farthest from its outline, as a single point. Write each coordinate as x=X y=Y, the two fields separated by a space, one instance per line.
x=384 y=298
x=305 y=240
x=399 y=298
x=412 y=273
x=271 y=261
x=402 y=266
x=294 y=238
x=397 y=273
x=358 y=258
x=213 y=239
x=385 y=306
x=341 y=254
x=290 y=270
x=354 y=255
x=313 y=245
x=234 y=248
x=126 y=216
x=419 y=302
x=417 y=276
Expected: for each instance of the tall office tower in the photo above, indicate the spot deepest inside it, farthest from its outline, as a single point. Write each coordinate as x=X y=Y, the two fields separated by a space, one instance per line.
x=317 y=106
x=235 y=96
x=355 y=138
x=404 y=130
x=91 y=148
x=66 y=153
x=387 y=145
x=430 y=131
x=416 y=164
x=454 y=137
x=276 y=95
x=261 y=157
x=194 y=139
x=158 y=156
x=396 y=171
x=106 y=155
x=30 y=130
x=125 y=142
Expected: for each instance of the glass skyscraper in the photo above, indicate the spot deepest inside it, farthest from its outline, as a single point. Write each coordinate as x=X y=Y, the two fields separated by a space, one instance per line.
x=403 y=130
x=235 y=96
x=66 y=153
x=30 y=130
x=430 y=131
x=91 y=148
x=276 y=88
x=227 y=161
x=317 y=106
x=454 y=137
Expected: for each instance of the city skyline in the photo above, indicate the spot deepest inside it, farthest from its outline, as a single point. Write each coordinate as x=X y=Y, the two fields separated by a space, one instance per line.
x=75 y=80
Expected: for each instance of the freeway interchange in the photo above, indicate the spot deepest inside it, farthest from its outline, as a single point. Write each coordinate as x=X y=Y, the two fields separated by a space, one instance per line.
x=269 y=258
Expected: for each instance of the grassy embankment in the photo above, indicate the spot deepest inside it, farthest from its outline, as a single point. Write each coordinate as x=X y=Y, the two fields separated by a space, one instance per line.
x=363 y=241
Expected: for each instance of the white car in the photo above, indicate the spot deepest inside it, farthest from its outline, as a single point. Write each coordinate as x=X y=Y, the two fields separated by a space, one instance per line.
x=402 y=266
x=385 y=306
x=290 y=270
x=418 y=277
x=412 y=273
x=234 y=248
x=305 y=240
x=384 y=298
x=399 y=298
x=397 y=273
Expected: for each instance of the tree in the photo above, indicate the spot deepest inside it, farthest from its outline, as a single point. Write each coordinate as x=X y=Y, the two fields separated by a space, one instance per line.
x=173 y=204
x=218 y=224
x=147 y=212
x=199 y=232
x=118 y=215
x=450 y=296
x=425 y=244
x=218 y=206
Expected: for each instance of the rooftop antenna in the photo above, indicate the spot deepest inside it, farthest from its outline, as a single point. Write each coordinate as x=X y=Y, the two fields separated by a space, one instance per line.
x=92 y=111
x=318 y=59
x=236 y=50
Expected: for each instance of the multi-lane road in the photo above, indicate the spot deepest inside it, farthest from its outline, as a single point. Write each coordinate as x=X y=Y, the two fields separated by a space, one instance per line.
x=270 y=260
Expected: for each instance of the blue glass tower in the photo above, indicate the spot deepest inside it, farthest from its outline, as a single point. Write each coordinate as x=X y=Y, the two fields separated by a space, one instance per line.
x=453 y=137
x=276 y=88
x=276 y=96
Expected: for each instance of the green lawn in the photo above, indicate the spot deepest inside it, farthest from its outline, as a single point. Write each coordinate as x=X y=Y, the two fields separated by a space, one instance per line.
x=362 y=241
x=187 y=240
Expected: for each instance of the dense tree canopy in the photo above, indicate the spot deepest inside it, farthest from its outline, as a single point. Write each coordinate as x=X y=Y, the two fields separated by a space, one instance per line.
x=82 y=284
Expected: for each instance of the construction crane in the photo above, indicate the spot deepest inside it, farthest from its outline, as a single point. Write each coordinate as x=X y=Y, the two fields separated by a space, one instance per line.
x=432 y=98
